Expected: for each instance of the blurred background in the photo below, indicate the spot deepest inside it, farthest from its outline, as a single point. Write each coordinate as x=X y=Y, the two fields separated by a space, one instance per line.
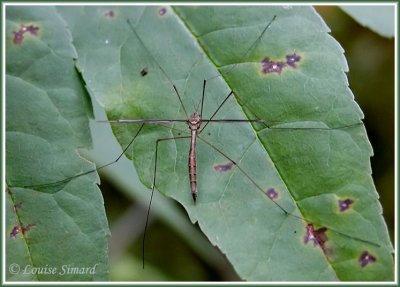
x=176 y=249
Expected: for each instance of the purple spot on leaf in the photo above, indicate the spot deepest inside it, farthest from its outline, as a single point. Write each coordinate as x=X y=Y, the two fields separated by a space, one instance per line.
x=271 y=193
x=31 y=29
x=109 y=13
x=223 y=167
x=366 y=258
x=15 y=231
x=269 y=66
x=19 y=36
x=291 y=60
x=20 y=229
x=317 y=237
x=162 y=11
x=345 y=204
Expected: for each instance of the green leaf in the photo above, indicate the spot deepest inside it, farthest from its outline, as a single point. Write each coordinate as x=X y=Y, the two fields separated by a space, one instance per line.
x=315 y=153
x=378 y=18
x=55 y=228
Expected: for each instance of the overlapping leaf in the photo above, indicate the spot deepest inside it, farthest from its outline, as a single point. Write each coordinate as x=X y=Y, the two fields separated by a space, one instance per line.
x=54 y=232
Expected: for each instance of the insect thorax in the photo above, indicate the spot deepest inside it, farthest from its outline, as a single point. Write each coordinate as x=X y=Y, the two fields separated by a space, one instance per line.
x=194 y=121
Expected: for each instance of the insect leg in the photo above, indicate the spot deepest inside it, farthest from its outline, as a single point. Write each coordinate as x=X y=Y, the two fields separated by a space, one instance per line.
x=248 y=176
x=89 y=171
x=223 y=102
x=153 y=187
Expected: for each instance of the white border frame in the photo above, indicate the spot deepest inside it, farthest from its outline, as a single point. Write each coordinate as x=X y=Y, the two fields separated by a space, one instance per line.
x=4 y=6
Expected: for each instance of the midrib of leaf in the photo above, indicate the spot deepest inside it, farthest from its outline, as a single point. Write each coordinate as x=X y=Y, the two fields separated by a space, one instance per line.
x=278 y=170
x=20 y=224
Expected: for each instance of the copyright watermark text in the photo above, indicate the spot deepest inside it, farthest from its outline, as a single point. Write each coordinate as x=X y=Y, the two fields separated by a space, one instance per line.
x=67 y=269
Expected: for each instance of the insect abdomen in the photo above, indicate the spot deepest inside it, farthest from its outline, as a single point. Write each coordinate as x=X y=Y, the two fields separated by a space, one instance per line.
x=193 y=168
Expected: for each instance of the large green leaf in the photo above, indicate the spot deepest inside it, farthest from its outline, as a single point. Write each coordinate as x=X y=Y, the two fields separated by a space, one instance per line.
x=315 y=155
x=50 y=229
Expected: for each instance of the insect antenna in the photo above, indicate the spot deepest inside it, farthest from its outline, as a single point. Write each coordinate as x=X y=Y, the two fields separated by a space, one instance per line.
x=255 y=43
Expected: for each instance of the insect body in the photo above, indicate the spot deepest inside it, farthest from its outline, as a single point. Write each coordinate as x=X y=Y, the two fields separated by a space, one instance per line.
x=194 y=123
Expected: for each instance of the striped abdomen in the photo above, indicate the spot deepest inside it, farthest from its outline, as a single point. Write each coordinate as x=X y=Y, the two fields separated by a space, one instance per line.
x=193 y=166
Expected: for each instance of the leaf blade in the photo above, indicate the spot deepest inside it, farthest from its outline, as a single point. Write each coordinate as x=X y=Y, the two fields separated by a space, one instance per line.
x=47 y=112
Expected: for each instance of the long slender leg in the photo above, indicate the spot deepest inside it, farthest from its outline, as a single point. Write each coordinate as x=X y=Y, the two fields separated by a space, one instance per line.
x=89 y=171
x=216 y=111
x=248 y=50
x=248 y=176
x=202 y=99
x=180 y=100
x=153 y=187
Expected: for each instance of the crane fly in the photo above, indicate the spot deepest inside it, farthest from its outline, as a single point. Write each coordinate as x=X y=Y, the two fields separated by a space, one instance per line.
x=197 y=124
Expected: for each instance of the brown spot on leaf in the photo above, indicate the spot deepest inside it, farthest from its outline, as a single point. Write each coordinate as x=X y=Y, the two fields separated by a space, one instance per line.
x=109 y=14
x=366 y=258
x=19 y=35
x=317 y=237
x=269 y=66
x=162 y=11
x=272 y=193
x=292 y=59
x=345 y=204
x=15 y=231
x=20 y=229
x=223 y=167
